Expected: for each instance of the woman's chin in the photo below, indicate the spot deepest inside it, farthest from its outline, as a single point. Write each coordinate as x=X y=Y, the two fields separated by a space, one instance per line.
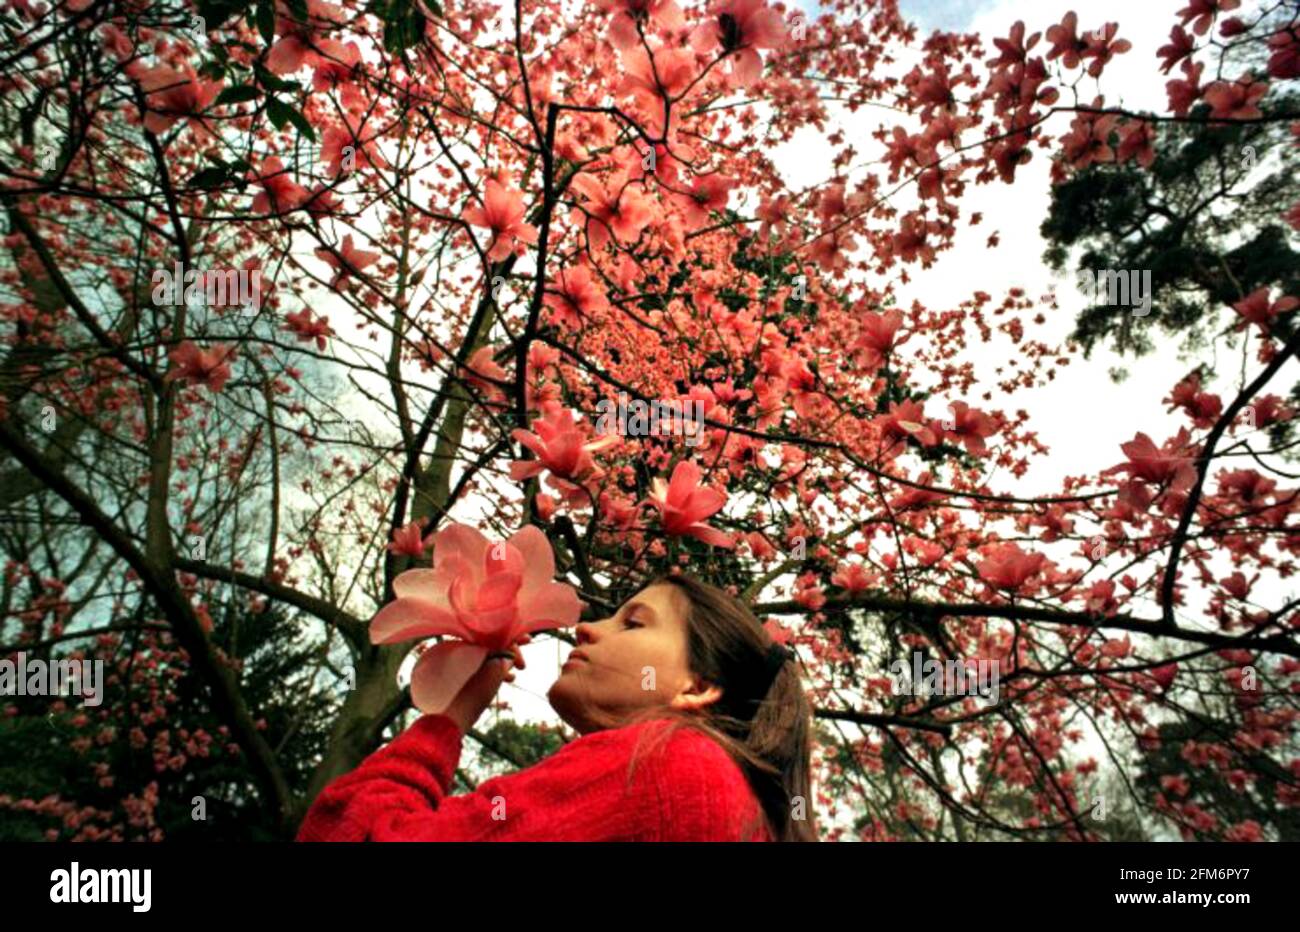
x=564 y=697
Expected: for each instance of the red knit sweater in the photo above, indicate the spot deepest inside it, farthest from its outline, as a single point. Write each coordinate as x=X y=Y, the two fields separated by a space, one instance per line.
x=686 y=788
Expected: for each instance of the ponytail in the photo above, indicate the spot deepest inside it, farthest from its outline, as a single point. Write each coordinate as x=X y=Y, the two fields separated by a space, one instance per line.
x=763 y=720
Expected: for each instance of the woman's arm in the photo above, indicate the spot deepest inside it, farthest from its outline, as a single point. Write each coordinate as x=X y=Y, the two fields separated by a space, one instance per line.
x=580 y=793
x=410 y=774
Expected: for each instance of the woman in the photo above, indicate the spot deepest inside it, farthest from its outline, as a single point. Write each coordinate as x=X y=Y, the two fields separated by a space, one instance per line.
x=693 y=724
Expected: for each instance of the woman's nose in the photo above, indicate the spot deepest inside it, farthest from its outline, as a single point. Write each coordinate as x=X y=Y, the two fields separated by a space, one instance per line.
x=583 y=633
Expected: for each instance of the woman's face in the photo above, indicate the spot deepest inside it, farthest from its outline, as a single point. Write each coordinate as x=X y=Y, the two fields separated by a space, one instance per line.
x=634 y=659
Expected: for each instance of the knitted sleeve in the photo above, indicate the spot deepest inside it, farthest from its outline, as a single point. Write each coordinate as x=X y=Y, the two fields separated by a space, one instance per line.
x=583 y=792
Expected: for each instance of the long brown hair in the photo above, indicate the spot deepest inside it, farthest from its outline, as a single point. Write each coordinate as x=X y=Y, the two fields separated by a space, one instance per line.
x=765 y=728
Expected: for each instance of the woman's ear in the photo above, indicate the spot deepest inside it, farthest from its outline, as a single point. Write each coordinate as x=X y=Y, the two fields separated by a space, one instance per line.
x=698 y=695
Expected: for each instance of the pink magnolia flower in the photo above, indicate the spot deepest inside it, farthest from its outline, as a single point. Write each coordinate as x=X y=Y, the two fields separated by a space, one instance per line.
x=337 y=67
x=619 y=210
x=1174 y=462
x=116 y=42
x=778 y=632
x=1257 y=308
x=970 y=427
x=809 y=595
x=670 y=73
x=1180 y=46
x=1285 y=61
x=617 y=511
x=759 y=545
x=502 y=213
x=483 y=372
x=1066 y=44
x=854 y=577
x=1164 y=675
x=559 y=444
x=1204 y=11
x=1116 y=649
x=684 y=505
x=651 y=15
x=546 y=505
x=1203 y=407
x=1269 y=408
x=740 y=28
x=707 y=193
x=208 y=367
x=774 y=213
x=877 y=339
x=1089 y=140
x=1100 y=598
x=1009 y=567
x=299 y=39
x=830 y=250
x=903 y=420
x=485 y=596
x=346 y=259
x=306 y=326
x=575 y=296
x=1103 y=46
x=1236 y=100
x=280 y=193
x=1249 y=830
x=172 y=95
x=1237 y=585
x=1137 y=141
x=344 y=147
x=1013 y=49
x=409 y=541
x=322 y=202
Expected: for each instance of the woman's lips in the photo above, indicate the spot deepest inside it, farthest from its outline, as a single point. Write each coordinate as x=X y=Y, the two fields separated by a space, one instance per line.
x=575 y=656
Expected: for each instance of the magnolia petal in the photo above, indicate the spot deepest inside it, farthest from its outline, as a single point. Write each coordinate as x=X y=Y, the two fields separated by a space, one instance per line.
x=503 y=559
x=685 y=478
x=704 y=37
x=440 y=673
x=622 y=31
x=465 y=542
x=601 y=442
x=539 y=559
x=286 y=56
x=409 y=618
x=711 y=535
x=491 y=627
x=747 y=67
x=498 y=591
x=670 y=15
x=525 y=469
x=554 y=605
x=424 y=584
x=705 y=502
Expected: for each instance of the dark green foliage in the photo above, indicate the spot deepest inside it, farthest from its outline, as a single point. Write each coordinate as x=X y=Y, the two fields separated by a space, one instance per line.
x=1208 y=786
x=1205 y=219
x=280 y=684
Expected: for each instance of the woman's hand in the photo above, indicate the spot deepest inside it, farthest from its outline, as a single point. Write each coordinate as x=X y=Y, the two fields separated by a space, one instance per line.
x=477 y=694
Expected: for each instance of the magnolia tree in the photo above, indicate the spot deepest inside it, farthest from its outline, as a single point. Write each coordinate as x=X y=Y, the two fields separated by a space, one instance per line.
x=311 y=310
